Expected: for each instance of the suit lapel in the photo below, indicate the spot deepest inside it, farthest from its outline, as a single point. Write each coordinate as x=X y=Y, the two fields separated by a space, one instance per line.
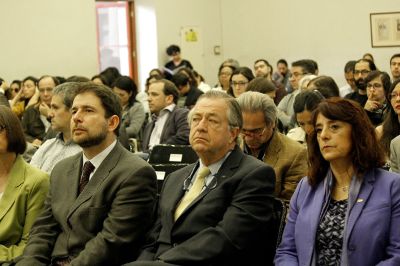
x=99 y=176
x=359 y=204
x=273 y=149
x=15 y=180
x=168 y=124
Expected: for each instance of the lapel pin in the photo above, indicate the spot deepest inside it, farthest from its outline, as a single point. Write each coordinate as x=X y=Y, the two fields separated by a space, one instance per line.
x=360 y=200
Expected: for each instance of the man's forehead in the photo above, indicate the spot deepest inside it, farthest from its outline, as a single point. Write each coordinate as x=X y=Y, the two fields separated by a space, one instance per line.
x=210 y=106
x=362 y=65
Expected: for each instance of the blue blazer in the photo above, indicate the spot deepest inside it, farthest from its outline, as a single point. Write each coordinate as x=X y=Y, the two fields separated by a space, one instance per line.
x=373 y=224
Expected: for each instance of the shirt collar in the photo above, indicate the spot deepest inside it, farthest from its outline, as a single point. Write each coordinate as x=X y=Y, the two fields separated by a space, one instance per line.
x=99 y=158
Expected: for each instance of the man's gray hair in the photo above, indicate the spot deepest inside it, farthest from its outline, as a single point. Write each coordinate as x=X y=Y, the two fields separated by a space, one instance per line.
x=67 y=92
x=234 y=113
x=252 y=102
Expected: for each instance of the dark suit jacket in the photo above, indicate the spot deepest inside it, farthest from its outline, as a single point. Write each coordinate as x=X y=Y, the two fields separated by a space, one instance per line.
x=175 y=131
x=372 y=236
x=32 y=124
x=224 y=225
x=104 y=225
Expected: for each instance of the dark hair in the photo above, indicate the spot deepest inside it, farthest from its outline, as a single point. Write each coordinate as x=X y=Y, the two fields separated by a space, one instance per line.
x=109 y=100
x=391 y=124
x=55 y=80
x=103 y=79
x=370 y=55
x=394 y=56
x=385 y=78
x=13 y=129
x=172 y=49
x=31 y=78
x=222 y=66
x=307 y=65
x=180 y=79
x=169 y=89
x=282 y=61
x=371 y=64
x=111 y=74
x=189 y=73
x=307 y=101
x=77 y=78
x=261 y=84
x=67 y=92
x=159 y=72
x=197 y=75
x=61 y=79
x=325 y=85
x=349 y=67
x=245 y=71
x=127 y=84
x=156 y=77
x=366 y=151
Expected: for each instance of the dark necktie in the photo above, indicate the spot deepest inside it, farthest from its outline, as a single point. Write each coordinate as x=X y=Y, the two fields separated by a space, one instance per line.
x=87 y=169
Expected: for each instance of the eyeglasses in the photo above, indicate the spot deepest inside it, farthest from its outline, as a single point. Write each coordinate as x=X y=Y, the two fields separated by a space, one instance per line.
x=257 y=132
x=375 y=86
x=45 y=90
x=394 y=95
x=239 y=83
x=362 y=72
x=225 y=74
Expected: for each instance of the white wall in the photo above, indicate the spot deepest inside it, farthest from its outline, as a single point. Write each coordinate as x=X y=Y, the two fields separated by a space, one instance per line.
x=330 y=32
x=55 y=37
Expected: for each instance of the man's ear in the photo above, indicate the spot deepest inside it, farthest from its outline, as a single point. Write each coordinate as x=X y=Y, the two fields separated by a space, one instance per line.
x=169 y=99
x=113 y=122
x=234 y=133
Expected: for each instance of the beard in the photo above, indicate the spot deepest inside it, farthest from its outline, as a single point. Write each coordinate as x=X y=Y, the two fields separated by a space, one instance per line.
x=93 y=140
x=360 y=83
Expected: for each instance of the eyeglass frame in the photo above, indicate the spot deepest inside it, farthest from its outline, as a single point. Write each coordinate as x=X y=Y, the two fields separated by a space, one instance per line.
x=239 y=84
x=253 y=132
x=370 y=86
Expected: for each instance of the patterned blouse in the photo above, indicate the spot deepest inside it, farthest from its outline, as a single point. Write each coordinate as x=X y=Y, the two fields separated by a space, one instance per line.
x=330 y=234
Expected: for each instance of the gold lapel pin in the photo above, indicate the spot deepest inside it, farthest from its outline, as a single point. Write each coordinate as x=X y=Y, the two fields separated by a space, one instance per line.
x=360 y=200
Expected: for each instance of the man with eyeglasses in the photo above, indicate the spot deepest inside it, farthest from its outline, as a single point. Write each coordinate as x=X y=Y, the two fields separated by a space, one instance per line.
x=299 y=69
x=378 y=84
x=361 y=70
x=35 y=120
x=263 y=141
x=230 y=208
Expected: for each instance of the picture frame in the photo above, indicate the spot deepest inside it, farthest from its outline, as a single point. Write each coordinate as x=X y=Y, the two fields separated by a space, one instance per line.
x=385 y=29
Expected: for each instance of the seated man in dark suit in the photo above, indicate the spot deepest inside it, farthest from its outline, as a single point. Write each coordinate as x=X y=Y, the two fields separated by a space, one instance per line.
x=218 y=210
x=101 y=201
x=169 y=125
x=188 y=94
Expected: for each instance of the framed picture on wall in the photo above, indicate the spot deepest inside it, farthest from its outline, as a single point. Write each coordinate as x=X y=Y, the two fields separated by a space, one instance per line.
x=385 y=29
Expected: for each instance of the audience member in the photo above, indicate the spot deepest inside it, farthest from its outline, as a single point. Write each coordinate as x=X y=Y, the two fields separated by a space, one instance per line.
x=282 y=74
x=231 y=62
x=390 y=127
x=27 y=96
x=306 y=102
x=100 y=79
x=133 y=114
x=378 y=84
x=35 y=118
x=224 y=76
x=263 y=141
x=23 y=188
x=299 y=69
x=188 y=93
x=110 y=74
x=395 y=66
x=15 y=87
x=325 y=85
x=361 y=70
x=3 y=97
x=239 y=80
x=172 y=67
x=169 y=125
x=100 y=203
x=368 y=56
x=304 y=81
x=262 y=85
x=56 y=149
x=349 y=76
x=218 y=210
x=346 y=212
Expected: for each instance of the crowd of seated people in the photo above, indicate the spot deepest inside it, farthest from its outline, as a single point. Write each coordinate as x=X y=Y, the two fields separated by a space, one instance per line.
x=317 y=140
